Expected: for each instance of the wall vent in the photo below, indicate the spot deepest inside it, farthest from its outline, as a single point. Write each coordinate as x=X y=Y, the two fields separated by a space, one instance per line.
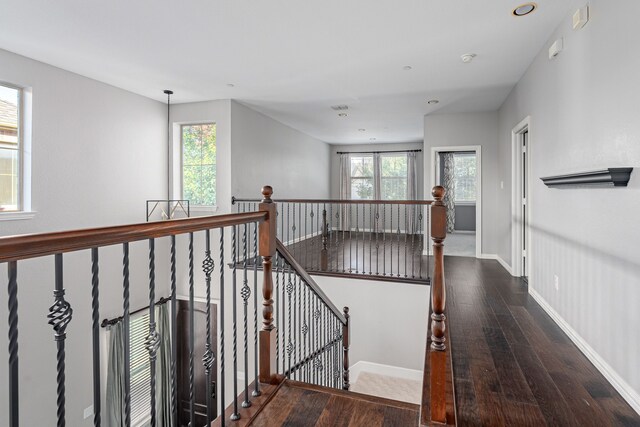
x=340 y=107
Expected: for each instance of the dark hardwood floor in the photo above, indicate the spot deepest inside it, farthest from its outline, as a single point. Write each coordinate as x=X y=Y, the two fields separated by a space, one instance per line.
x=297 y=404
x=513 y=366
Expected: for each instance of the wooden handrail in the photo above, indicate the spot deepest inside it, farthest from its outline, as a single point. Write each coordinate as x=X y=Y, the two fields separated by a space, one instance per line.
x=282 y=250
x=340 y=201
x=14 y=248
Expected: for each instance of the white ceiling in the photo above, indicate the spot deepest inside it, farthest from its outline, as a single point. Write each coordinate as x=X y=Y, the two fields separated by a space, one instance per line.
x=293 y=59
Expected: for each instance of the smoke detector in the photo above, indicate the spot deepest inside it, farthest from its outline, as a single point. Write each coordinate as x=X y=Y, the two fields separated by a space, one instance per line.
x=468 y=57
x=340 y=107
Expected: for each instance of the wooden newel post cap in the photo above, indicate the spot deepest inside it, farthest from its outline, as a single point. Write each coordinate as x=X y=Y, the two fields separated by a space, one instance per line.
x=438 y=192
x=267 y=192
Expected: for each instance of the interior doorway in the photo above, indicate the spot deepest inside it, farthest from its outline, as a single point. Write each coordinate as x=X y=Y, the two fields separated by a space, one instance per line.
x=521 y=200
x=459 y=170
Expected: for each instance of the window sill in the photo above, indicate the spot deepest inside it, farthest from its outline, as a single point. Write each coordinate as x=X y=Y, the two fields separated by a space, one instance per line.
x=465 y=203
x=17 y=215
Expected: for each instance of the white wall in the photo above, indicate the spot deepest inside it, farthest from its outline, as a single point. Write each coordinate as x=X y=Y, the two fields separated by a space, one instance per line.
x=444 y=130
x=584 y=116
x=388 y=320
x=98 y=153
x=265 y=151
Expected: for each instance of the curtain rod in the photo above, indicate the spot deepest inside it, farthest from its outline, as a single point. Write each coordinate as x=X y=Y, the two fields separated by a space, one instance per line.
x=378 y=152
x=110 y=322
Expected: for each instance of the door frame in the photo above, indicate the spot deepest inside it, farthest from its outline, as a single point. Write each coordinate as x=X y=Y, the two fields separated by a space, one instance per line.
x=516 y=198
x=434 y=173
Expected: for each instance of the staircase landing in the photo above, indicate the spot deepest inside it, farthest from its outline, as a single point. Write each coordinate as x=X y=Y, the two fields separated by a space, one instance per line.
x=299 y=404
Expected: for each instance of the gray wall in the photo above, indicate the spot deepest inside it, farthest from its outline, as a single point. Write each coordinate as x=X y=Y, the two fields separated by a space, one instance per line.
x=265 y=151
x=465 y=218
x=98 y=153
x=445 y=130
x=584 y=115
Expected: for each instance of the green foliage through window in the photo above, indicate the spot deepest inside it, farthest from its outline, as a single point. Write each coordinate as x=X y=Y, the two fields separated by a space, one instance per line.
x=465 y=176
x=199 y=164
x=393 y=177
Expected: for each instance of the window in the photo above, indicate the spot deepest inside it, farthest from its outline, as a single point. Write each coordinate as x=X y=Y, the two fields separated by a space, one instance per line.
x=465 y=177
x=199 y=164
x=393 y=177
x=362 y=177
x=393 y=171
x=140 y=369
x=10 y=149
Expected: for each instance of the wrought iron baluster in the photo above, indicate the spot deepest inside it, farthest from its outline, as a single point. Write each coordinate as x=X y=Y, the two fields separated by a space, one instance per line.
x=284 y=311
x=364 y=224
x=391 y=240
x=245 y=293
x=384 y=240
x=256 y=391
x=413 y=243
x=60 y=314
x=174 y=334
x=208 y=357
x=377 y=240
x=370 y=239
x=350 y=239
x=305 y=263
x=316 y=340
x=305 y=330
x=234 y=297
x=277 y=303
x=152 y=341
x=406 y=228
x=297 y=282
x=398 y=240
x=192 y=344
x=126 y=327
x=289 y=339
x=422 y=241
x=222 y=379
x=14 y=402
x=95 y=336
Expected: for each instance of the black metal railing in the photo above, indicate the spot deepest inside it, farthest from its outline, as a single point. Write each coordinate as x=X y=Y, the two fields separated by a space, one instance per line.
x=312 y=343
x=312 y=334
x=168 y=209
x=377 y=239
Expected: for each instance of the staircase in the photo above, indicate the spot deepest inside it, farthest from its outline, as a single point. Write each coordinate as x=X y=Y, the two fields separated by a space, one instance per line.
x=283 y=353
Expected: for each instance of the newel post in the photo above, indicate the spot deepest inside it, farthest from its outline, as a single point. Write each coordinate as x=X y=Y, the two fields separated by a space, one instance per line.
x=437 y=350
x=345 y=350
x=267 y=250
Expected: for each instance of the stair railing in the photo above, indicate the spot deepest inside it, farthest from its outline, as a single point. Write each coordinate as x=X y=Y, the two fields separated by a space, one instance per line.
x=249 y=232
x=311 y=343
x=371 y=239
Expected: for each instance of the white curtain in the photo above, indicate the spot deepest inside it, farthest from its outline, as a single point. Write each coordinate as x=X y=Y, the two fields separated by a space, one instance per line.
x=345 y=190
x=412 y=193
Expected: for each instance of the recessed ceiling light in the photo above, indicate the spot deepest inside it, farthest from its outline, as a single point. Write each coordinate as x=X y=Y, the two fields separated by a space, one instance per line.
x=468 y=57
x=361 y=130
x=372 y=139
x=230 y=85
x=432 y=101
x=524 y=9
x=342 y=115
x=407 y=67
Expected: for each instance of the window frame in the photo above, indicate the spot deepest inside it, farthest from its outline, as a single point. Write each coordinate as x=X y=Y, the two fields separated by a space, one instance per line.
x=405 y=178
x=372 y=178
x=20 y=205
x=194 y=207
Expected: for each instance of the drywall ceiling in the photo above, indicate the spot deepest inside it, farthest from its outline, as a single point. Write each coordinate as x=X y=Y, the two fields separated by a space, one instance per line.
x=293 y=59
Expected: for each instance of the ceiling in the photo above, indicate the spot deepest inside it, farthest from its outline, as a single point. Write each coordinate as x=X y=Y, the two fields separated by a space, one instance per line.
x=293 y=59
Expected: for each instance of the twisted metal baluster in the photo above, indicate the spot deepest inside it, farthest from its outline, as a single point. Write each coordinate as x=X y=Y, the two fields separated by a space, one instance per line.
x=305 y=329
x=208 y=358
x=289 y=340
x=245 y=293
x=284 y=311
x=222 y=379
x=256 y=390
x=60 y=314
x=192 y=344
x=14 y=403
x=236 y=415
x=174 y=334
x=384 y=240
x=314 y=338
x=95 y=336
x=152 y=340
x=126 y=327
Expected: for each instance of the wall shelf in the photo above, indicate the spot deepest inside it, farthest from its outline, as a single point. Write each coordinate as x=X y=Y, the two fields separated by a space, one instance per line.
x=610 y=177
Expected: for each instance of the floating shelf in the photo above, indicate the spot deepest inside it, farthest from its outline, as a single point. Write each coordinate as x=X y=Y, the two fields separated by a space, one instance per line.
x=610 y=177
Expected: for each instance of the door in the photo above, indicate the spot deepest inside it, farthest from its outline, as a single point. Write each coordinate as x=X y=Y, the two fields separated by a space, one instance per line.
x=200 y=378
x=524 y=205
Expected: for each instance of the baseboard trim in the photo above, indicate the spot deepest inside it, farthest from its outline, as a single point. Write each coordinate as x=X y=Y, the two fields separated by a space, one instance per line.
x=626 y=391
x=377 y=368
x=498 y=258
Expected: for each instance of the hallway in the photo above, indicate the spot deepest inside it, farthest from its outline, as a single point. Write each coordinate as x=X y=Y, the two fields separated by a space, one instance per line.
x=512 y=364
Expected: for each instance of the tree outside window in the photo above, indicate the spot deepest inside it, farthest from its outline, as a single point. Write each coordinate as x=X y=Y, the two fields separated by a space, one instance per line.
x=362 y=177
x=394 y=177
x=465 y=177
x=199 y=164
